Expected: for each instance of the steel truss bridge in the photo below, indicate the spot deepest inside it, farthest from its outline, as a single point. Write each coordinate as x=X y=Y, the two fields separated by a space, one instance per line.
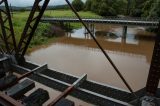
x=126 y=21
x=12 y=61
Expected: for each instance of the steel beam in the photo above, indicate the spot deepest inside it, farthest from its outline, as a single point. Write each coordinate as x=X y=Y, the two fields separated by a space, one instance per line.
x=154 y=73
x=18 y=90
x=36 y=70
x=37 y=98
x=115 y=21
x=31 y=27
x=11 y=80
x=75 y=85
x=82 y=92
x=5 y=100
x=7 y=31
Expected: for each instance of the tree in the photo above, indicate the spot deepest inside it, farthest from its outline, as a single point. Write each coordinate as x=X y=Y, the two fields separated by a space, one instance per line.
x=78 y=5
x=103 y=9
x=120 y=6
x=155 y=10
x=95 y=5
x=137 y=8
x=88 y=5
x=147 y=6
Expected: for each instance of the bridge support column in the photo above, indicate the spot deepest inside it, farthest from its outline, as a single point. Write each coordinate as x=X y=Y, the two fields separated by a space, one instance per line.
x=91 y=28
x=61 y=24
x=123 y=41
x=68 y=27
x=124 y=34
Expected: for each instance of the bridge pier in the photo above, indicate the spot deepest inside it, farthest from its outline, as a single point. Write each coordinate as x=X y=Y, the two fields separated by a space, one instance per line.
x=124 y=33
x=123 y=40
x=68 y=26
x=91 y=28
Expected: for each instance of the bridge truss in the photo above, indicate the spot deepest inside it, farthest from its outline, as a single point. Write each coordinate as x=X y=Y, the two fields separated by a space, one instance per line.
x=12 y=57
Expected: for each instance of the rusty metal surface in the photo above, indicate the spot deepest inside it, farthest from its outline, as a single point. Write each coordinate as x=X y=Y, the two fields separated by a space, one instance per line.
x=62 y=95
x=37 y=98
x=75 y=85
x=31 y=26
x=18 y=90
x=89 y=91
x=8 y=101
x=7 y=81
x=7 y=31
x=154 y=74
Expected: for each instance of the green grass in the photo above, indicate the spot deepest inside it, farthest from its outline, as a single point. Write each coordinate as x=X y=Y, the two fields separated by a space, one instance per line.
x=20 y=18
x=19 y=21
x=69 y=13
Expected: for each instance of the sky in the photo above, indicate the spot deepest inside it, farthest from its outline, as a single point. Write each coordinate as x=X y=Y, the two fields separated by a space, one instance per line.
x=22 y=3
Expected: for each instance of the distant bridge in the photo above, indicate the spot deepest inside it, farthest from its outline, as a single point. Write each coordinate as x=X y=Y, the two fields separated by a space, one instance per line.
x=111 y=20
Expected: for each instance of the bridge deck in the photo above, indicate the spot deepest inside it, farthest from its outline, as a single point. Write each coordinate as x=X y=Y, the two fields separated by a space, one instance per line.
x=90 y=91
x=118 y=21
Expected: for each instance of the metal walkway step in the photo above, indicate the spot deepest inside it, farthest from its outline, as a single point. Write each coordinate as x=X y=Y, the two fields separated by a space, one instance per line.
x=37 y=98
x=3 y=59
x=20 y=89
x=65 y=102
x=91 y=92
x=7 y=80
x=105 y=90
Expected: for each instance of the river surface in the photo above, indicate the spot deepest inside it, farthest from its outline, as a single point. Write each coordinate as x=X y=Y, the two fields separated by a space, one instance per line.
x=77 y=53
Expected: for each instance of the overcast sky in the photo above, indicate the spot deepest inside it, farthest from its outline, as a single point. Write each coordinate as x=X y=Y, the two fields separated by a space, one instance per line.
x=30 y=2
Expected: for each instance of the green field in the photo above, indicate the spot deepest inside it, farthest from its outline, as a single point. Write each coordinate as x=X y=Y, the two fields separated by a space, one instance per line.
x=20 y=18
x=69 y=13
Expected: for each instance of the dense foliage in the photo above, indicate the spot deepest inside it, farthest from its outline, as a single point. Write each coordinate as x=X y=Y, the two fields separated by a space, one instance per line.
x=137 y=8
x=146 y=8
x=78 y=5
x=106 y=7
x=151 y=8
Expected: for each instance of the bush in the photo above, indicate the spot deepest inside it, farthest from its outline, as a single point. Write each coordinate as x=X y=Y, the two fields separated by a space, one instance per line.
x=78 y=5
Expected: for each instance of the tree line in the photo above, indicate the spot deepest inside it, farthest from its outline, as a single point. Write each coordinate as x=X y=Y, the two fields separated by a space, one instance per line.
x=135 y=8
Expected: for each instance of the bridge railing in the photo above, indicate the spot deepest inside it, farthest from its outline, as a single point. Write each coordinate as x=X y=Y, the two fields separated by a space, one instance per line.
x=132 y=18
x=74 y=17
x=108 y=17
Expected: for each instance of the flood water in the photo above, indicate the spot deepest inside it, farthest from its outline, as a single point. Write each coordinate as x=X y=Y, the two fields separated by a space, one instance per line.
x=77 y=53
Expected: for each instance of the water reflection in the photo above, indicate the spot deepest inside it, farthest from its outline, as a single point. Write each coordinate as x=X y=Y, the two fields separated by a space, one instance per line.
x=77 y=54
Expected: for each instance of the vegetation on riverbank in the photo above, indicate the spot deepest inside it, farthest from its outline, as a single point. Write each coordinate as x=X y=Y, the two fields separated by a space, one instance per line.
x=19 y=21
x=136 y=8
x=69 y=13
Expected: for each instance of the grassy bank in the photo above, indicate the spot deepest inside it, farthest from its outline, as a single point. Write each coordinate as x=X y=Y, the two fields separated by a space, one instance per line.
x=20 y=18
x=69 y=13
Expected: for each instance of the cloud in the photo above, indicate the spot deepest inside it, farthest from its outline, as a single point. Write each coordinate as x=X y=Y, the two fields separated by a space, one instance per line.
x=22 y=3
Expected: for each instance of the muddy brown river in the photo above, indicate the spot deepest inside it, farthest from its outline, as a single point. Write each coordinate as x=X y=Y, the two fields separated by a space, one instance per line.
x=77 y=53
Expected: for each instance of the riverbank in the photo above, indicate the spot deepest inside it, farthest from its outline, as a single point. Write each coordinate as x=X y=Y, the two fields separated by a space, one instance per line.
x=40 y=39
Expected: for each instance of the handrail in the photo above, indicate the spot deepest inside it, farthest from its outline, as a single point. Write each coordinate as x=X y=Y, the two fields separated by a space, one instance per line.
x=108 y=17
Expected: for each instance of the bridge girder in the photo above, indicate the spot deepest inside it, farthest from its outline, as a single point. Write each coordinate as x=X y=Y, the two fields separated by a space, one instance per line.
x=7 y=37
x=31 y=26
x=154 y=73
